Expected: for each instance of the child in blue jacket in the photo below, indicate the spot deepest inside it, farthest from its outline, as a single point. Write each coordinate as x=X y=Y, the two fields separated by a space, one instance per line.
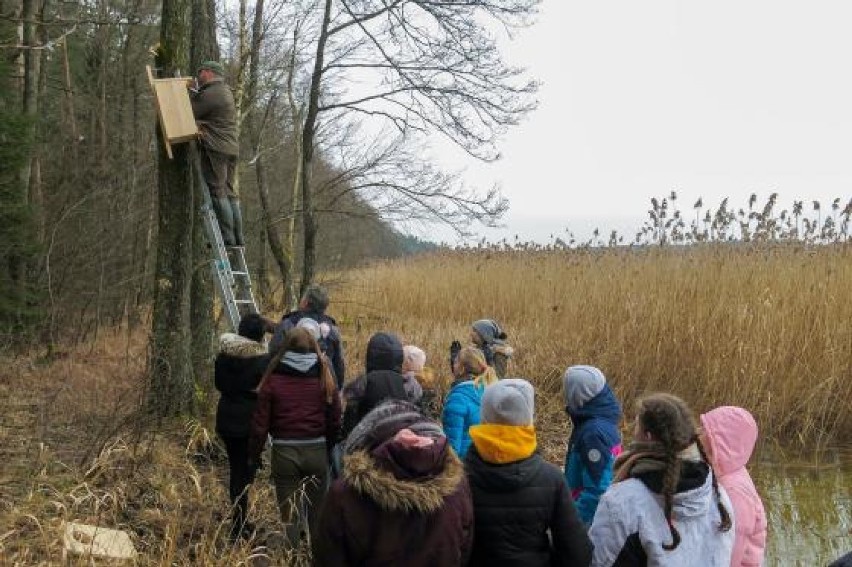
x=461 y=408
x=595 y=440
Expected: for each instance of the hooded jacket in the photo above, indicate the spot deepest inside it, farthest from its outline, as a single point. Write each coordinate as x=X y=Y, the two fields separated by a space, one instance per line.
x=731 y=433
x=237 y=372
x=292 y=406
x=524 y=513
x=382 y=380
x=630 y=526
x=461 y=411
x=595 y=443
x=396 y=505
x=331 y=344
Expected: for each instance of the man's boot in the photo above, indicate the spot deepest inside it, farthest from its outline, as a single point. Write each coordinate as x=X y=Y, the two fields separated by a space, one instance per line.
x=225 y=216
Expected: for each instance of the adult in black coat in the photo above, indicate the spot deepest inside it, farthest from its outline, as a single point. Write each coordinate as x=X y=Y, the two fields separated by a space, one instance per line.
x=523 y=509
x=382 y=381
x=238 y=368
x=312 y=305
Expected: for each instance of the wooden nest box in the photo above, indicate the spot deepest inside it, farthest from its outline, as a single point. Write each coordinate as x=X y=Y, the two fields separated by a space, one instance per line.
x=174 y=110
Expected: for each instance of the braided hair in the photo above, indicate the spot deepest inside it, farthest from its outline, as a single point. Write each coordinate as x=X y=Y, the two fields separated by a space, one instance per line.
x=726 y=523
x=670 y=422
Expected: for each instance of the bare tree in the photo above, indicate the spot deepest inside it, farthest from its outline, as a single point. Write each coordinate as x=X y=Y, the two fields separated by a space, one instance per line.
x=436 y=68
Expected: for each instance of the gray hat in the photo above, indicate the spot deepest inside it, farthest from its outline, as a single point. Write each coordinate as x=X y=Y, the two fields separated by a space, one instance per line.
x=580 y=384
x=489 y=330
x=509 y=402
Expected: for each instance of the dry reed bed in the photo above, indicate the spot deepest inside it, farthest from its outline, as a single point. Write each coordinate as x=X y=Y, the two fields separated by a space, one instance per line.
x=766 y=327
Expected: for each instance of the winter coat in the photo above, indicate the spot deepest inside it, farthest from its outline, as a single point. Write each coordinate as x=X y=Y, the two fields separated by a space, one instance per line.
x=845 y=561
x=396 y=505
x=731 y=433
x=382 y=380
x=630 y=526
x=237 y=371
x=497 y=356
x=292 y=405
x=331 y=343
x=461 y=411
x=523 y=510
x=215 y=114
x=595 y=443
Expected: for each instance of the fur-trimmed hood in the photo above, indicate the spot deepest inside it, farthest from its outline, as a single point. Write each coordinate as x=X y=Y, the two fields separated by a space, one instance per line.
x=232 y=344
x=423 y=495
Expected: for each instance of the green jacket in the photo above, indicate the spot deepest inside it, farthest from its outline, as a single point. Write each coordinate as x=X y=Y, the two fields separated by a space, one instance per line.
x=215 y=113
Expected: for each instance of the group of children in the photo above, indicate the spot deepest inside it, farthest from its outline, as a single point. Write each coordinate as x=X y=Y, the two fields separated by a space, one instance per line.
x=383 y=472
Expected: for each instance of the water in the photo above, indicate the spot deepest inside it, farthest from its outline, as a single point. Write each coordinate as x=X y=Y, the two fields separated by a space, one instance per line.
x=809 y=507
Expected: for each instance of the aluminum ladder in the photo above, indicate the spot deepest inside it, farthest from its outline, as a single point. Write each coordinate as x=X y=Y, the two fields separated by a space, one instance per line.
x=230 y=272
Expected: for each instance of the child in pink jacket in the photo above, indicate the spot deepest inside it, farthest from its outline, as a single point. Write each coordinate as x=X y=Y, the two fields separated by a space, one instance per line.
x=729 y=437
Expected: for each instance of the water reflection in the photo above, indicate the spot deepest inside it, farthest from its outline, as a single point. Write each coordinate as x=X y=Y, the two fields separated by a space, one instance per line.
x=809 y=507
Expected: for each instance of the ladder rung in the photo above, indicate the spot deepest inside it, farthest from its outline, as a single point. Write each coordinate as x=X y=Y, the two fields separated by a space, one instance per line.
x=243 y=301
x=239 y=273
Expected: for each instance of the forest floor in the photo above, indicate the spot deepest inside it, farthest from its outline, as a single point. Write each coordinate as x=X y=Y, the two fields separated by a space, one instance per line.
x=74 y=447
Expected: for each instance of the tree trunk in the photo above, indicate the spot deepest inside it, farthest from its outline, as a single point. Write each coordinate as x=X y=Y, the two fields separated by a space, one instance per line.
x=172 y=387
x=281 y=260
x=31 y=74
x=309 y=222
x=204 y=47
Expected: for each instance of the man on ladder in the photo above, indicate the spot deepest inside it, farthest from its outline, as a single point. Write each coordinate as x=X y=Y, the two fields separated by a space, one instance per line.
x=215 y=114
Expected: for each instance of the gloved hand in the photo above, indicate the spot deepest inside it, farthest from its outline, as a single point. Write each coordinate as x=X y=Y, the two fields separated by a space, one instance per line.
x=455 y=348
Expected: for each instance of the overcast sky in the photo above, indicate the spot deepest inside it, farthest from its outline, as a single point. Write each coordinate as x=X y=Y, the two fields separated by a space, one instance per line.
x=709 y=99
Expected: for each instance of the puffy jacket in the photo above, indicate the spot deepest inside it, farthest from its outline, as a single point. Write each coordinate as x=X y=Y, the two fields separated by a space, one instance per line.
x=630 y=526
x=331 y=343
x=292 y=405
x=396 y=504
x=461 y=411
x=731 y=433
x=382 y=380
x=595 y=443
x=523 y=510
x=237 y=371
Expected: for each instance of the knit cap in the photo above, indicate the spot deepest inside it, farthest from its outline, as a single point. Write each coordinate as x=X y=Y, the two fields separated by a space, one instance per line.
x=414 y=358
x=214 y=66
x=509 y=402
x=489 y=330
x=580 y=384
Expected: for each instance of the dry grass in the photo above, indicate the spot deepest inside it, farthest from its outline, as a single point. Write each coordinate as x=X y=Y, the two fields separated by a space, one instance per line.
x=75 y=449
x=766 y=328
x=762 y=327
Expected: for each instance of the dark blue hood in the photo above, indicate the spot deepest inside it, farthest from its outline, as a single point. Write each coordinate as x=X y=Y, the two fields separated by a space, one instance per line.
x=603 y=406
x=384 y=352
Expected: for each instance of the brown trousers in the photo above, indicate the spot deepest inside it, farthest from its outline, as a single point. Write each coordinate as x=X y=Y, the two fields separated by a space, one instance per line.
x=218 y=170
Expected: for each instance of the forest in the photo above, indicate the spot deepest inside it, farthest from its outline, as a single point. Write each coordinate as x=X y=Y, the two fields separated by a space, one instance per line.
x=335 y=102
